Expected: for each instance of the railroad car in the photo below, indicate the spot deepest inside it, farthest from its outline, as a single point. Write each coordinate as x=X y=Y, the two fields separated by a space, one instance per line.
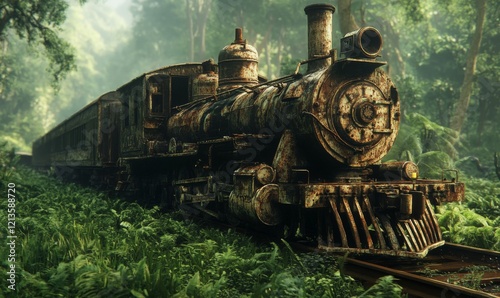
x=84 y=144
x=298 y=156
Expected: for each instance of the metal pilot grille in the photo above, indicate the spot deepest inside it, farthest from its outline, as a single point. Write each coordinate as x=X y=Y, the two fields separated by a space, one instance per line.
x=352 y=225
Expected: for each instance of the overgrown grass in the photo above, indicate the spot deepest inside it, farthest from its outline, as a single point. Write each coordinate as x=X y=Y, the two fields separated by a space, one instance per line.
x=77 y=242
x=476 y=221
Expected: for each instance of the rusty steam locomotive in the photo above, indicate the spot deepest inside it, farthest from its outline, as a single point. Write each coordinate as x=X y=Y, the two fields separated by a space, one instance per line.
x=300 y=154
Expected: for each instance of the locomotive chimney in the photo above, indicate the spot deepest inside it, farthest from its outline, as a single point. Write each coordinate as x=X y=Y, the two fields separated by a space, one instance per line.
x=319 y=34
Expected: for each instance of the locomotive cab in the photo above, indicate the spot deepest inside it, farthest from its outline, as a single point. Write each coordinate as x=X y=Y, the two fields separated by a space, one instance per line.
x=165 y=92
x=147 y=103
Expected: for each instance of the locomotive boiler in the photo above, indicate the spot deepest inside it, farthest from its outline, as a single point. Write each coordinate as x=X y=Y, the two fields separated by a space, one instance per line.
x=299 y=155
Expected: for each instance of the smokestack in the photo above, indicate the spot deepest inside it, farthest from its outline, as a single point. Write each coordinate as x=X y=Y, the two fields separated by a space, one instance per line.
x=319 y=34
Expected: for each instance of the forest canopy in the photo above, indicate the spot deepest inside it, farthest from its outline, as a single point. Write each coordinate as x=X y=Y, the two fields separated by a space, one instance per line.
x=57 y=56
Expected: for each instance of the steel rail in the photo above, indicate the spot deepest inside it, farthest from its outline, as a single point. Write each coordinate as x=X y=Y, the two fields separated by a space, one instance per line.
x=471 y=254
x=450 y=259
x=413 y=284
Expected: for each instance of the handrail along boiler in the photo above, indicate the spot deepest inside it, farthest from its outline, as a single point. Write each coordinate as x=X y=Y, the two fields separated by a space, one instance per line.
x=299 y=155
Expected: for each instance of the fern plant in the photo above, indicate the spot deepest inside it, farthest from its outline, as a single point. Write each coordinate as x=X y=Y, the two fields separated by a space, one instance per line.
x=432 y=146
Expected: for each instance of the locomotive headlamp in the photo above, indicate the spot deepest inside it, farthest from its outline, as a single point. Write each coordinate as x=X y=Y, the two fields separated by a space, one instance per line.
x=406 y=170
x=365 y=42
x=410 y=170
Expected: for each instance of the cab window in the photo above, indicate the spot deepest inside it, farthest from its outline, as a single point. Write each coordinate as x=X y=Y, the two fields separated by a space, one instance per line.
x=179 y=94
x=157 y=98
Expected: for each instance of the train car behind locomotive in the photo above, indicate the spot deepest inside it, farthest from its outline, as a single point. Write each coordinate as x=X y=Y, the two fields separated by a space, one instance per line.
x=84 y=144
x=299 y=155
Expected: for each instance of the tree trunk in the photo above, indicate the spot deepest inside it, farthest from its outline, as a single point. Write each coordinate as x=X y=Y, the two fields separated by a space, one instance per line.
x=264 y=46
x=203 y=12
x=460 y=111
x=197 y=14
x=189 y=14
x=280 y=51
x=347 y=21
x=391 y=50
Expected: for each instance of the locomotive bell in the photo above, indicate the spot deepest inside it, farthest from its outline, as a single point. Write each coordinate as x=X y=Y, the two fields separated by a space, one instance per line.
x=238 y=63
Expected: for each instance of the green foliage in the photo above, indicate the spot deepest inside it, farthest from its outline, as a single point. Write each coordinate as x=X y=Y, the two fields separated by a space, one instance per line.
x=428 y=70
x=8 y=163
x=476 y=221
x=76 y=242
x=22 y=76
x=432 y=146
x=431 y=164
x=385 y=287
x=39 y=22
x=464 y=226
x=483 y=196
x=29 y=106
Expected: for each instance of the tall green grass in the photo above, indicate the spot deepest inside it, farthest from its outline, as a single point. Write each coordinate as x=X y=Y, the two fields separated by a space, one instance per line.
x=77 y=242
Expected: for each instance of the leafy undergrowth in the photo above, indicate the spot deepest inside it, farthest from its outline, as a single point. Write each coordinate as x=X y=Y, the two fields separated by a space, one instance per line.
x=476 y=221
x=76 y=242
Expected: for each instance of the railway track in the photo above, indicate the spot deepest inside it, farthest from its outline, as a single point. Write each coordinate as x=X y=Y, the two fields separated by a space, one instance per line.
x=449 y=271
